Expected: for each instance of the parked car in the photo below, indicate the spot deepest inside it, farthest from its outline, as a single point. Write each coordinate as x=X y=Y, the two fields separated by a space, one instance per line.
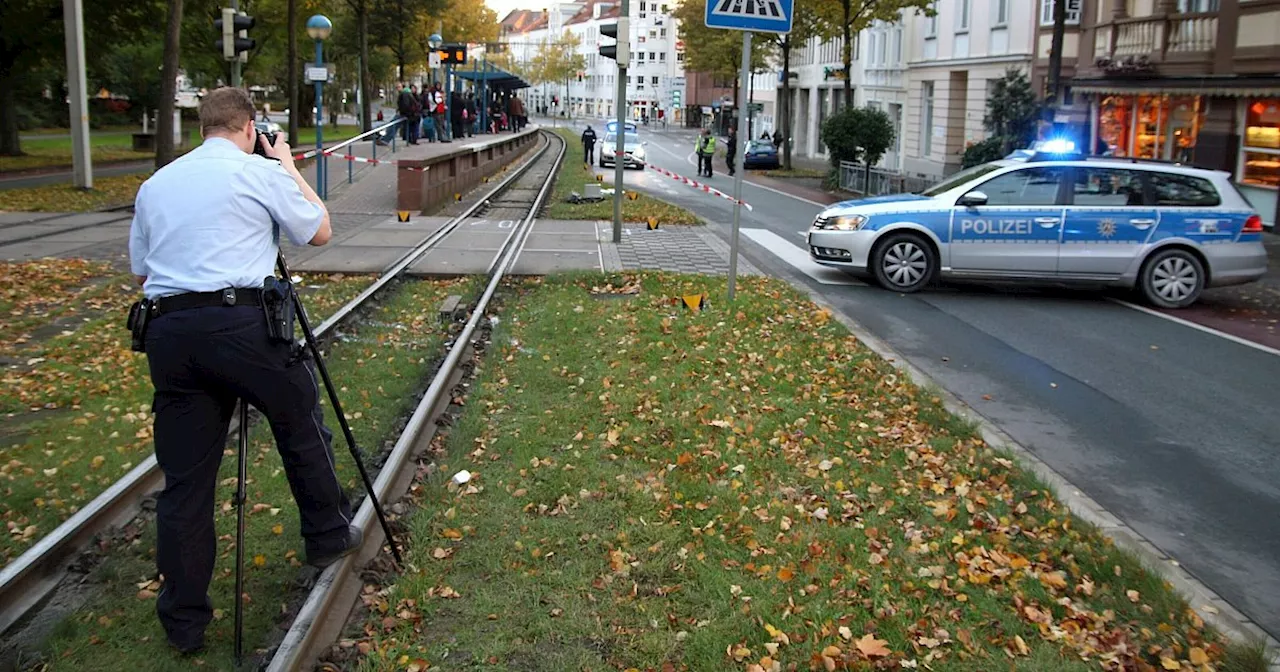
x=760 y=154
x=634 y=148
x=1165 y=229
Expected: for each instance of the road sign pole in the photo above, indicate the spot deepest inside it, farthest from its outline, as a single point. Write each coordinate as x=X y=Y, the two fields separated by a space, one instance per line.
x=620 y=148
x=78 y=94
x=738 y=159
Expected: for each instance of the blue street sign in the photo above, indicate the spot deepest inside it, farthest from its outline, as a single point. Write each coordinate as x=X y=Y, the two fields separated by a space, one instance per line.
x=765 y=16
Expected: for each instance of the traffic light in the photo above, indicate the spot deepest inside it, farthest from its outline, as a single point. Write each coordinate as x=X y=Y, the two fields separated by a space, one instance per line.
x=231 y=44
x=620 y=52
x=453 y=54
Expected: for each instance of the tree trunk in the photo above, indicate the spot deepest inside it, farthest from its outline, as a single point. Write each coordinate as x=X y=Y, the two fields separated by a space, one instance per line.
x=10 y=144
x=786 y=104
x=366 y=105
x=291 y=71
x=168 y=85
x=848 y=55
x=1055 y=54
x=400 y=41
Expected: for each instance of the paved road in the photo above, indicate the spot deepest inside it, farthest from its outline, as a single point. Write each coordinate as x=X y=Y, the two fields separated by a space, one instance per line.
x=1171 y=428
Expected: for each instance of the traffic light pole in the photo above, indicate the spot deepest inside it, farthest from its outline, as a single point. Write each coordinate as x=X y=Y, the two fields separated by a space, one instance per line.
x=235 y=65
x=620 y=148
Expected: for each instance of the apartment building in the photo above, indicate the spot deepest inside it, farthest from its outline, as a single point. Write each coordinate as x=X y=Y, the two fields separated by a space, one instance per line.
x=1196 y=81
x=954 y=60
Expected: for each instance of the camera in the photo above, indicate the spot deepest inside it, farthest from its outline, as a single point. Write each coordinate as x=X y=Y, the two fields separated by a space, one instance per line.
x=257 y=143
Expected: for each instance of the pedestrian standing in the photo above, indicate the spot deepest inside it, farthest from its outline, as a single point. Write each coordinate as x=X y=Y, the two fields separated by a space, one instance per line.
x=473 y=119
x=457 y=114
x=518 y=117
x=403 y=107
x=731 y=150
x=437 y=111
x=415 y=114
x=203 y=238
x=588 y=145
x=428 y=123
x=706 y=149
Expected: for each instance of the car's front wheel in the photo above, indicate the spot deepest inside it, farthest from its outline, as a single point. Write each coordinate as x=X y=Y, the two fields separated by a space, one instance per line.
x=904 y=262
x=1172 y=279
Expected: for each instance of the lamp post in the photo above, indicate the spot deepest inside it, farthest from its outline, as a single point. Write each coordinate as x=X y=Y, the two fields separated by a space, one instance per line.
x=319 y=27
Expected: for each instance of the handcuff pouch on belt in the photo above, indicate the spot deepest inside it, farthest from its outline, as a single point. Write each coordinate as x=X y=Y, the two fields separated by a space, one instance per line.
x=139 y=316
x=278 y=307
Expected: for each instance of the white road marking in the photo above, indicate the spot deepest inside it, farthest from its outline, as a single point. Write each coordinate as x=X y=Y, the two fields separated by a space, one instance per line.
x=1200 y=327
x=798 y=258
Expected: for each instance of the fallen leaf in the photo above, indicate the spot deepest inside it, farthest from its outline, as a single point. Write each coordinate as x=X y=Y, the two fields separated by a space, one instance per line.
x=1170 y=664
x=1133 y=595
x=451 y=533
x=259 y=560
x=871 y=647
x=1197 y=656
x=845 y=632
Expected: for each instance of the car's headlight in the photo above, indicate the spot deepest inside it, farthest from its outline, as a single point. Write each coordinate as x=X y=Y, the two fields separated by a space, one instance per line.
x=840 y=222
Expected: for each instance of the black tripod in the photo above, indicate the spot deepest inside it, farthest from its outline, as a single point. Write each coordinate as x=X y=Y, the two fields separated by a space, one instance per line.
x=244 y=450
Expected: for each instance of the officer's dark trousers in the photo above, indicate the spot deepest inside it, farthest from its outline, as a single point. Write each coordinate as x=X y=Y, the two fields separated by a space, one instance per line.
x=588 y=152
x=202 y=361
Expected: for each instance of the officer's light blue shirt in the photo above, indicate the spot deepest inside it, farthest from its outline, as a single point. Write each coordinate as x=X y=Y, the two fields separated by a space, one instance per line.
x=208 y=221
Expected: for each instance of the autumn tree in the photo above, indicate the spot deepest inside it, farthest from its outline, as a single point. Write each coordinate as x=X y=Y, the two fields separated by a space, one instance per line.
x=717 y=51
x=854 y=16
x=558 y=59
x=807 y=22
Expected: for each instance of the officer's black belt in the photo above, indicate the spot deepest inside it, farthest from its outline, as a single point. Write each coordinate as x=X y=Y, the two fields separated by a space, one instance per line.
x=222 y=297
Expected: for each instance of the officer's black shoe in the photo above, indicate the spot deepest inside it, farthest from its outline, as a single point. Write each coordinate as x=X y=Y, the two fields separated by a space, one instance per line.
x=355 y=537
x=188 y=647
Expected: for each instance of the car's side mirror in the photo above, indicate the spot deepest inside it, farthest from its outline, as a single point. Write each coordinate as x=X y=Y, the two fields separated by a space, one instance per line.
x=972 y=199
x=644 y=144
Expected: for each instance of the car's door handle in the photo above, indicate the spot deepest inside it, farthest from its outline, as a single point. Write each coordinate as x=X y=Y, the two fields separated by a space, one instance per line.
x=1143 y=223
x=1048 y=222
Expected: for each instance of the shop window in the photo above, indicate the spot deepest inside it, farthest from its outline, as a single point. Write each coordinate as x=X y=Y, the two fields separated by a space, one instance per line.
x=1262 y=143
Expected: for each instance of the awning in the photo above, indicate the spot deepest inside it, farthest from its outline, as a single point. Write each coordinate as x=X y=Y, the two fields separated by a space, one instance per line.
x=1242 y=86
x=493 y=77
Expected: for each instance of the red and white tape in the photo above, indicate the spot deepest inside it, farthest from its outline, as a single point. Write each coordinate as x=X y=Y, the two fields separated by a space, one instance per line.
x=698 y=185
x=374 y=162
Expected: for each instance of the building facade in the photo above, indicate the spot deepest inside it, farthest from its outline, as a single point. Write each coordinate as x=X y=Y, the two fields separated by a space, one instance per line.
x=1194 y=81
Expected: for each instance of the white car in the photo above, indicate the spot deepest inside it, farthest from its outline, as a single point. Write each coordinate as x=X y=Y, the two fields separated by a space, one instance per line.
x=635 y=155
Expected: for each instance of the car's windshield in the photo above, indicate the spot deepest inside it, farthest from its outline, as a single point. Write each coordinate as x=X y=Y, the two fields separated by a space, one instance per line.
x=759 y=144
x=960 y=178
x=630 y=139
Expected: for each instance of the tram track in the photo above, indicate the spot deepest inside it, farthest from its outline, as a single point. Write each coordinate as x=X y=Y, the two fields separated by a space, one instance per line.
x=30 y=580
x=46 y=222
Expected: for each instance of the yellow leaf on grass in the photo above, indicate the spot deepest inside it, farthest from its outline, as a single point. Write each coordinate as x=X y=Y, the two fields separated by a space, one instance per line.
x=871 y=647
x=786 y=574
x=277 y=529
x=1198 y=656
x=1133 y=595
x=1170 y=664
x=451 y=533
x=259 y=560
x=1054 y=579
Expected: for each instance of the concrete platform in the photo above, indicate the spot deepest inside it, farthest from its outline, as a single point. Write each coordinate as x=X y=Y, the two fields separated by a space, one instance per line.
x=368 y=249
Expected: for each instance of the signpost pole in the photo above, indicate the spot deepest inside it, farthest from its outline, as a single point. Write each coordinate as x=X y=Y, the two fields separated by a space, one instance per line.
x=620 y=146
x=738 y=161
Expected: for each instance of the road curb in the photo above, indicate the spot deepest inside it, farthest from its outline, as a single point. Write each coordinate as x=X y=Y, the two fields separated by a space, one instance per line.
x=1210 y=606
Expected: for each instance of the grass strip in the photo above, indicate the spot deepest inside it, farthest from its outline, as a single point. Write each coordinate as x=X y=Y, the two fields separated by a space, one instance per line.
x=378 y=366
x=106 y=192
x=783 y=173
x=574 y=174
x=77 y=405
x=56 y=151
x=745 y=487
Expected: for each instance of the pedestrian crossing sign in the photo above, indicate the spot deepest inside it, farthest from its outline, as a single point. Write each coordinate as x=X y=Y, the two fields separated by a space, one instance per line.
x=765 y=16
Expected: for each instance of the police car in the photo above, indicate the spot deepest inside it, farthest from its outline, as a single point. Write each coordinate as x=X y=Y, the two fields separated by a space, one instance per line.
x=1166 y=229
x=633 y=148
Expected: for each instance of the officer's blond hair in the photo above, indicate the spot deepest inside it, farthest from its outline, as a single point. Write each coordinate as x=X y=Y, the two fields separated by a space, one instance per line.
x=225 y=110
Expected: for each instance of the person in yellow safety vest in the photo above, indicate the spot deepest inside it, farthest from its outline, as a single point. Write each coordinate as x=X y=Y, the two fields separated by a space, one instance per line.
x=706 y=148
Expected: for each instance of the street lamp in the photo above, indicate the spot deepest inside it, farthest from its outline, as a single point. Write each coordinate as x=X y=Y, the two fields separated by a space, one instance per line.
x=319 y=27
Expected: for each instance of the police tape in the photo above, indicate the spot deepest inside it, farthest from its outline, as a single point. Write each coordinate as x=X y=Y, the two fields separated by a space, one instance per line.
x=698 y=185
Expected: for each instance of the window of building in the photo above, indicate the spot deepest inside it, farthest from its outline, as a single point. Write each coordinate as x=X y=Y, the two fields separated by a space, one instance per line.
x=1172 y=189
x=897 y=44
x=680 y=57
x=1002 y=13
x=664 y=9
x=1262 y=143
x=662 y=57
x=662 y=33
x=931 y=24
x=882 y=48
x=962 y=19
x=653 y=81
x=1046 y=12
x=926 y=117
x=639 y=55
x=653 y=34
x=1191 y=6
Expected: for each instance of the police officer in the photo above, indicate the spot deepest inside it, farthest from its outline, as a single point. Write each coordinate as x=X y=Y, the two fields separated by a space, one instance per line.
x=706 y=149
x=204 y=236
x=588 y=145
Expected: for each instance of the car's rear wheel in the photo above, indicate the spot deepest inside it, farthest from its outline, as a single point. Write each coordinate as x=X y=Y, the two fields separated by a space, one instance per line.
x=904 y=262
x=1172 y=279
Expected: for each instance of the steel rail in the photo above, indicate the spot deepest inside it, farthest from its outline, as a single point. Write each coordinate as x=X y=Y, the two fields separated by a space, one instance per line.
x=28 y=579
x=300 y=644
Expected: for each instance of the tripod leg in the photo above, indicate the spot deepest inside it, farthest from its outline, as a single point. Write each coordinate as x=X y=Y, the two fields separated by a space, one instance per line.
x=337 y=411
x=242 y=474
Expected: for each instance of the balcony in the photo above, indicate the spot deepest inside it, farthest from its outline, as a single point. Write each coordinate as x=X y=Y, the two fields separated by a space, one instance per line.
x=1168 y=44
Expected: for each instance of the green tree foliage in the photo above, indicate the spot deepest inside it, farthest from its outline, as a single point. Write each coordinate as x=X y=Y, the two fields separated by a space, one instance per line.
x=857 y=134
x=807 y=22
x=983 y=151
x=715 y=51
x=854 y=16
x=1012 y=111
